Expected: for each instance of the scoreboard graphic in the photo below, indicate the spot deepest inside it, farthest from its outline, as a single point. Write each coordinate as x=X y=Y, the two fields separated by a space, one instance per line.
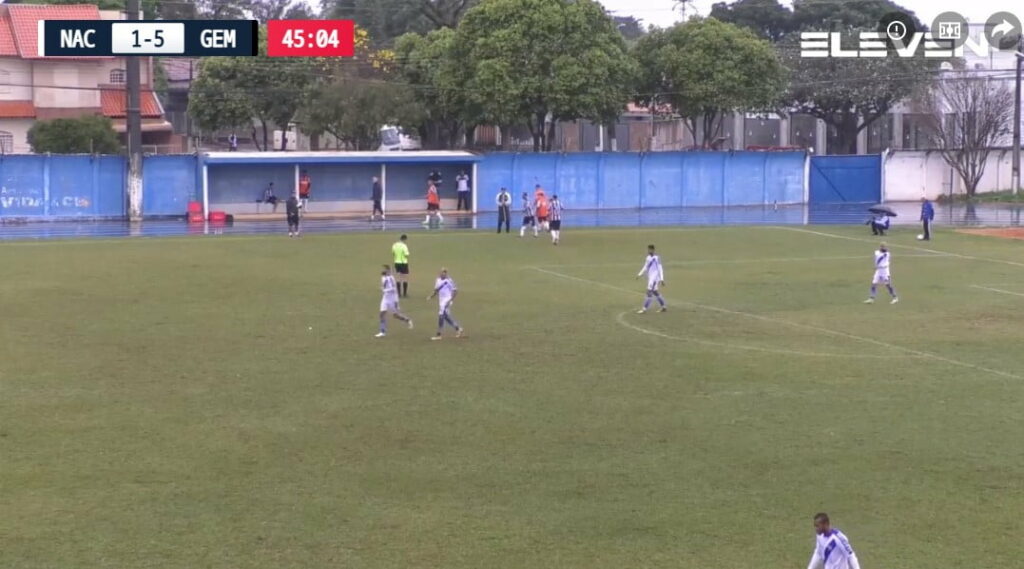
x=195 y=38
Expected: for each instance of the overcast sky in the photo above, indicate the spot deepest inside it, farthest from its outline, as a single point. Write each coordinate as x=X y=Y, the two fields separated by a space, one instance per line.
x=665 y=12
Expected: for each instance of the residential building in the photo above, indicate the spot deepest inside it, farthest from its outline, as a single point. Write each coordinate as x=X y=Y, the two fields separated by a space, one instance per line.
x=36 y=88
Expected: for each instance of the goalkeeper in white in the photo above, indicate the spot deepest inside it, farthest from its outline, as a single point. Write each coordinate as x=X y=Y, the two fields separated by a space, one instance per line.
x=831 y=549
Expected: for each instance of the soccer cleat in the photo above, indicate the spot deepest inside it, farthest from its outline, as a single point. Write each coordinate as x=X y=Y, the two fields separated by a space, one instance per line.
x=895 y=300
x=458 y=333
x=642 y=311
x=663 y=309
x=869 y=301
x=410 y=324
x=380 y=335
x=435 y=338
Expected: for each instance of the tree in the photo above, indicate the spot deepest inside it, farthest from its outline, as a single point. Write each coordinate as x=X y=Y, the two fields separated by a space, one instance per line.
x=353 y=110
x=445 y=13
x=232 y=91
x=87 y=134
x=428 y=64
x=706 y=69
x=768 y=19
x=849 y=94
x=969 y=116
x=387 y=20
x=542 y=61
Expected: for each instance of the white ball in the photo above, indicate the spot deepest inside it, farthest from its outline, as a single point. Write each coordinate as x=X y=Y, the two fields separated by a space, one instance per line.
x=920 y=237
x=310 y=328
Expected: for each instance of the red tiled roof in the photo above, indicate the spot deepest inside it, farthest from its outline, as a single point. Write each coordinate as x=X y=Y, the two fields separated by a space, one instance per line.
x=7 y=46
x=17 y=110
x=114 y=103
x=23 y=21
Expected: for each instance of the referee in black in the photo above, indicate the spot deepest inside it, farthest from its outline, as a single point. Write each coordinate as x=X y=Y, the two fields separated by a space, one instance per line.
x=504 y=209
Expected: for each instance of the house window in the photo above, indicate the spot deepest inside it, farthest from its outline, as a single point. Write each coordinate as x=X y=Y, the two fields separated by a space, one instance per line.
x=6 y=142
x=117 y=76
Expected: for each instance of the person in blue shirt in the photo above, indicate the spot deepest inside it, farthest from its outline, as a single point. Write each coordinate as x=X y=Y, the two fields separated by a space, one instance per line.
x=927 y=215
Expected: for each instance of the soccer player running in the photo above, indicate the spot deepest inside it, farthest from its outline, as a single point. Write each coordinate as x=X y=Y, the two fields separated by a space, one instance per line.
x=655 y=278
x=445 y=291
x=400 y=253
x=831 y=548
x=389 y=302
x=882 y=276
x=541 y=207
x=555 y=213
x=529 y=216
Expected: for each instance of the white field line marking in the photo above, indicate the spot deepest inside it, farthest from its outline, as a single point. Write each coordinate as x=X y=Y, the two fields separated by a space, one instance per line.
x=735 y=261
x=911 y=247
x=866 y=340
x=999 y=290
x=621 y=319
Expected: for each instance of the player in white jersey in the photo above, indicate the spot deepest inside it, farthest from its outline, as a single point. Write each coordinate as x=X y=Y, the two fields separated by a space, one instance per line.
x=445 y=291
x=655 y=278
x=882 y=276
x=389 y=302
x=529 y=217
x=831 y=548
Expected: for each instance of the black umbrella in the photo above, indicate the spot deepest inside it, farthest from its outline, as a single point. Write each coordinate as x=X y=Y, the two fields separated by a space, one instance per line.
x=882 y=210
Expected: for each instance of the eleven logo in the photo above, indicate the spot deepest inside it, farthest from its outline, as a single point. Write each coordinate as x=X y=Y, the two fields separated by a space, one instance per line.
x=877 y=44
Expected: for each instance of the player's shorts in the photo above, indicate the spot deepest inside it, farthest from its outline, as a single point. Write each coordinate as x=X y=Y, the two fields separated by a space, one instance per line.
x=443 y=308
x=881 y=277
x=433 y=207
x=293 y=219
x=556 y=225
x=652 y=285
x=389 y=304
x=402 y=268
x=542 y=218
x=528 y=220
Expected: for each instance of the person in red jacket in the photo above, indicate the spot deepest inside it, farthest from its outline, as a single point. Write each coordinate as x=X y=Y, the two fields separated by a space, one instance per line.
x=433 y=203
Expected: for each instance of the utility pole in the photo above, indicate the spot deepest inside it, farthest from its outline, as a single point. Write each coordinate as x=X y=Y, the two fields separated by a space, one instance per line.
x=134 y=124
x=1015 y=177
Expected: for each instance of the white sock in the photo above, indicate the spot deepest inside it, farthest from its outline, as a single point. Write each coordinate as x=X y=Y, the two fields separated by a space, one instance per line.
x=427 y=220
x=440 y=218
x=522 y=231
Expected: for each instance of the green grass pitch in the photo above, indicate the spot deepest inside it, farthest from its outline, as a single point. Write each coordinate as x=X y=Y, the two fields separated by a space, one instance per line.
x=164 y=403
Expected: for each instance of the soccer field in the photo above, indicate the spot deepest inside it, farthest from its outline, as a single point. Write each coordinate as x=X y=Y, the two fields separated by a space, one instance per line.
x=222 y=402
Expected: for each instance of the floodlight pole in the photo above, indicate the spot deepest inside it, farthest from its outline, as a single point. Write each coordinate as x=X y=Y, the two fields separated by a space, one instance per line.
x=1015 y=178
x=133 y=122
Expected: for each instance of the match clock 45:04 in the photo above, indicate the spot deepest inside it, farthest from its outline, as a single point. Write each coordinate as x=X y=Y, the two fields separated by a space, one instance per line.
x=310 y=38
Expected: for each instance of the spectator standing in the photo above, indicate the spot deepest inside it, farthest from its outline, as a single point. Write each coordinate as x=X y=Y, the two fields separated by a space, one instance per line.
x=463 y=189
x=291 y=207
x=377 y=196
x=927 y=216
x=305 y=185
x=435 y=178
x=232 y=142
x=504 y=201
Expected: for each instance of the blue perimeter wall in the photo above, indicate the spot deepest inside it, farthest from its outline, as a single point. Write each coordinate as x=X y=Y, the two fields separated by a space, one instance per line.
x=596 y=180
x=39 y=186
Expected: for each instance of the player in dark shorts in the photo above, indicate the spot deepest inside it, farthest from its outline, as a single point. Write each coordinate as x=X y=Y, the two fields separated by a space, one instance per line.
x=292 y=209
x=528 y=216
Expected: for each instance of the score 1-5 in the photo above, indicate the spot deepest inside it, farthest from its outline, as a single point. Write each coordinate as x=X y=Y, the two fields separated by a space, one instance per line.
x=147 y=37
x=310 y=38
